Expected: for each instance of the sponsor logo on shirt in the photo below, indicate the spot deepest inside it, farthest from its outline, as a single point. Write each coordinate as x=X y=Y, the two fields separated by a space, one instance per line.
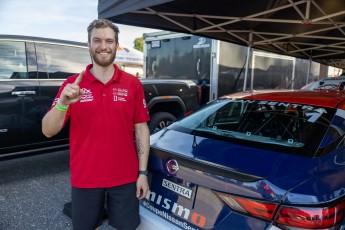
x=144 y=103
x=87 y=95
x=120 y=94
x=55 y=101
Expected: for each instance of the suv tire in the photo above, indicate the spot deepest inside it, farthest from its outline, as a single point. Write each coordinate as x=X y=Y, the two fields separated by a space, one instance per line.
x=160 y=120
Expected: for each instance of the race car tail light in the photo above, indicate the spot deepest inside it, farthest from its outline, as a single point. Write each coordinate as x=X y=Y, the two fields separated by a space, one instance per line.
x=311 y=217
x=288 y=217
x=256 y=208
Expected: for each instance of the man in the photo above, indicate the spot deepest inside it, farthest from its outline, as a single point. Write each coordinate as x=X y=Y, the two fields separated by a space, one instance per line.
x=109 y=137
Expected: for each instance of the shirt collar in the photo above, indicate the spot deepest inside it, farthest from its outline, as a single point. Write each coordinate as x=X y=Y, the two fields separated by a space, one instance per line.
x=89 y=78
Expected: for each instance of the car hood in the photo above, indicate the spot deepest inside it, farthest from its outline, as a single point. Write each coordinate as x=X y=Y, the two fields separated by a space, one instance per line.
x=282 y=171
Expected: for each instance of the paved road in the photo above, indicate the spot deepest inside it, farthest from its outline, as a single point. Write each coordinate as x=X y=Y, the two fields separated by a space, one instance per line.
x=33 y=191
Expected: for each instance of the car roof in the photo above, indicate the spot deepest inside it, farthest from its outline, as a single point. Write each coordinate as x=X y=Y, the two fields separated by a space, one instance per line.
x=39 y=39
x=325 y=98
x=335 y=81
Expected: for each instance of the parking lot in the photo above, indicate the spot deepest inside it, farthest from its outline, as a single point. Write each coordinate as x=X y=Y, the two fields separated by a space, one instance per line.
x=33 y=191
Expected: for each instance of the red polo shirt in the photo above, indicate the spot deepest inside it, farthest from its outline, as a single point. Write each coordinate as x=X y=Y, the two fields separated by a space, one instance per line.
x=102 y=150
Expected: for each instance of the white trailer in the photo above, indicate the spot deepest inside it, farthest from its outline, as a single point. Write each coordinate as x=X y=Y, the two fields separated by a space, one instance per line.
x=221 y=68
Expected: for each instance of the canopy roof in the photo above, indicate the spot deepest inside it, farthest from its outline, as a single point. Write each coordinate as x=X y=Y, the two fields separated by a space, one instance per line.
x=311 y=29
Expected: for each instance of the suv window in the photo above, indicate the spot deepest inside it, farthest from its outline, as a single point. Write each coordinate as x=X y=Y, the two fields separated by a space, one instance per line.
x=283 y=127
x=59 y=61
x=12 y=60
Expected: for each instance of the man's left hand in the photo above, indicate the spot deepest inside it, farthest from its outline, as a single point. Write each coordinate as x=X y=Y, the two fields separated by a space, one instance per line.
x=142 y=187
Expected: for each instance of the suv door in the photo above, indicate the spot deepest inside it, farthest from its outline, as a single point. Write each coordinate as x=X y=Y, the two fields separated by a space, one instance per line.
x=19 y=92
x=55 y=63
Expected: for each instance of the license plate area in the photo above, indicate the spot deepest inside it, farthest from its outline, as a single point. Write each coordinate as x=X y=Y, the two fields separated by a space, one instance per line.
x=173 y=188
x=180 y=190
x=180 y=201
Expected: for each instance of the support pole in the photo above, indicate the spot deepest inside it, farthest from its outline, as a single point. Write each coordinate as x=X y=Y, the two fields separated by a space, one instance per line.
x=249 y=54
x=308 y=73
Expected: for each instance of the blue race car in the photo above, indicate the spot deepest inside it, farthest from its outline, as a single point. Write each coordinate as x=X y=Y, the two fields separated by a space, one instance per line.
x=259 y=160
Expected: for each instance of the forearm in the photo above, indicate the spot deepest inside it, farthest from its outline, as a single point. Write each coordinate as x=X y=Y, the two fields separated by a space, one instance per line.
x=142 y=139
x=53 y=122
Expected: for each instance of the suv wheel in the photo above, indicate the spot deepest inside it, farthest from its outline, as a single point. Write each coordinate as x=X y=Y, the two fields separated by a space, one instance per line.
x=160 y=120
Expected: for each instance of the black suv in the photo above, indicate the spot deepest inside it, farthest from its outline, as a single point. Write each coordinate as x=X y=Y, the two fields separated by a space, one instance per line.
x=31 y=71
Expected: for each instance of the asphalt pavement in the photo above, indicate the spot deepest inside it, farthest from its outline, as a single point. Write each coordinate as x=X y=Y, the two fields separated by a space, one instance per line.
x=33 y=191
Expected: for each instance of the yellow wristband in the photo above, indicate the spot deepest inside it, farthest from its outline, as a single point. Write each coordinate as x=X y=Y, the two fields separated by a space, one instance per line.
x=59 y=107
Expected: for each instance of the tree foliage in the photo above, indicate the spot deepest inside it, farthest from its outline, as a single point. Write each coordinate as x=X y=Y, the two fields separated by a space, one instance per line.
x=139 y=44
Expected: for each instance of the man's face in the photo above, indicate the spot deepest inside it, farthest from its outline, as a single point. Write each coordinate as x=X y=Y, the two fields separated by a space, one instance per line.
x=103 y=46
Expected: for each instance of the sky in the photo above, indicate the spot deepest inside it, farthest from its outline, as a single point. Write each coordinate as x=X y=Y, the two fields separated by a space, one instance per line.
x=59 y=19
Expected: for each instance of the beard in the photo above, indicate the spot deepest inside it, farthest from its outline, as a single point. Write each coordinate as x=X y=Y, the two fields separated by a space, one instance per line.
x=101 y=61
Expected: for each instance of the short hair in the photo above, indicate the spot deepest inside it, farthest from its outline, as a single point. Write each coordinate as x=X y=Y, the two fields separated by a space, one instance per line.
x=103 y=23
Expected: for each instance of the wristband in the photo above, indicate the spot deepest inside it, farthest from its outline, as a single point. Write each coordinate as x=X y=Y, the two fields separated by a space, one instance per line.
x=143 y=172
x=61 y=107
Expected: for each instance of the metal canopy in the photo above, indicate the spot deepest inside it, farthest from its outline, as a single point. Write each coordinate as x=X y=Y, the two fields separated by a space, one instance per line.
x=310 y=29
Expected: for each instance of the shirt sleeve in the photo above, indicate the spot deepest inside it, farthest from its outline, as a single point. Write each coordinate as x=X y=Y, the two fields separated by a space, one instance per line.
x=141 y=113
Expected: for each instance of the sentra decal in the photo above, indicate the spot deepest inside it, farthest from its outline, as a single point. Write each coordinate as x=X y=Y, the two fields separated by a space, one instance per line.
x=276 y=103
x=186 y=192
x=176 y=209
x=312 y=113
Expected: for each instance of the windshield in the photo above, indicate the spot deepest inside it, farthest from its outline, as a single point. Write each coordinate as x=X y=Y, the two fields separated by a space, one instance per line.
x=264 y=123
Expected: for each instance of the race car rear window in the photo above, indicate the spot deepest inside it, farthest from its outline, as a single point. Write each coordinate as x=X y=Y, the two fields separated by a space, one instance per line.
x=285 y=127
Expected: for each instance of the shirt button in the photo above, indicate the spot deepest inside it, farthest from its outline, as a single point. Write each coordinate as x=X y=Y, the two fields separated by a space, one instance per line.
x=103 y=94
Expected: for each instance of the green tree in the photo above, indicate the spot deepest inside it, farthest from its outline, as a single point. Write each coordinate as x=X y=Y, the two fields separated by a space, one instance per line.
x=139 y=44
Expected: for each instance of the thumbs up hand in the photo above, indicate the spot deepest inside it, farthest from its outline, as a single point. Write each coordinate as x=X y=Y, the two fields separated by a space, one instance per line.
x=72 y=93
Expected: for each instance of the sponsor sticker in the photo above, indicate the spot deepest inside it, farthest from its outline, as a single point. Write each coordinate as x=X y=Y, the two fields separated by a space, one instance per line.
x=201 y=44
x=165 y=207
x=183 y=191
